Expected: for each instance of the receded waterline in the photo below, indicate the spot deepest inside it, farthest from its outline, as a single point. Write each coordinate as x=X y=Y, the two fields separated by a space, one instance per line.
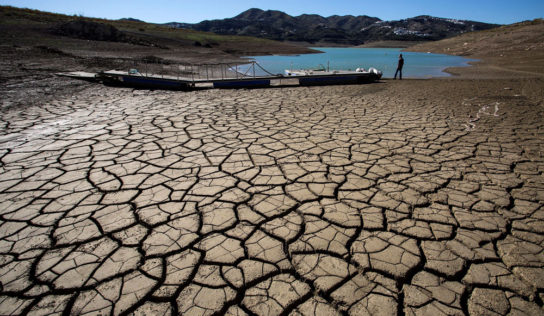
x=416 y=65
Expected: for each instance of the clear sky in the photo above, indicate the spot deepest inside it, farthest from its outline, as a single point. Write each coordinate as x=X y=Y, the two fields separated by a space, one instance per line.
x=192 y=11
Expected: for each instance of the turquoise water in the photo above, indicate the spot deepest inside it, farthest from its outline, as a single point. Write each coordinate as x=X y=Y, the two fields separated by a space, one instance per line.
x=416 y=65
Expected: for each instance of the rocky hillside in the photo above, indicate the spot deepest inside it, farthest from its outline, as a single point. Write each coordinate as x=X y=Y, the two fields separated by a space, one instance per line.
x=347 y=30
x=518 y=47
x=520 y=37
x=81 y=37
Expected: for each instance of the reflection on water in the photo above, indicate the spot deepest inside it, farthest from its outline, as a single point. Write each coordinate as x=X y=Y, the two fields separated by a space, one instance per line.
x=416 y=65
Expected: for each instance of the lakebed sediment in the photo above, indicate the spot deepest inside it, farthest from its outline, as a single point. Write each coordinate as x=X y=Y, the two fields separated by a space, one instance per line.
x=413 y=196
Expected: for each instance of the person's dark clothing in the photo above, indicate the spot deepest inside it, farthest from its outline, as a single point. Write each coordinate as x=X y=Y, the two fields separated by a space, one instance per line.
x=399 y=67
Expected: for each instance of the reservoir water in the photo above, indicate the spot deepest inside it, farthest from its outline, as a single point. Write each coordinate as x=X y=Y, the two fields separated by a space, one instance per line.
x=416 y=65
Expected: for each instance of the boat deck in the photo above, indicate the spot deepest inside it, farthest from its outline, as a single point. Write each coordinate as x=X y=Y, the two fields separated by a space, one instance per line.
x=154 y=81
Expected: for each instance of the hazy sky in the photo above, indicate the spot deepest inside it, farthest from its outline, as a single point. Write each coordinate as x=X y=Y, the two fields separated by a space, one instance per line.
x=192 y=11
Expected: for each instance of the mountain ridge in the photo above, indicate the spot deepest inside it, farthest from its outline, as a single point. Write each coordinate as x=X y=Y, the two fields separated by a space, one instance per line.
x=335 y=29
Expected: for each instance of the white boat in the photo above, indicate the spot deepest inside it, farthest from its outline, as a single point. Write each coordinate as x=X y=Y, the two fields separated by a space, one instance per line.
x=322 y=76
x=322 y=71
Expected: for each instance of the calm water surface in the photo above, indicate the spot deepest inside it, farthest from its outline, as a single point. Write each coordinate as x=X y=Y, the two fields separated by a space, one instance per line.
x=416 y=65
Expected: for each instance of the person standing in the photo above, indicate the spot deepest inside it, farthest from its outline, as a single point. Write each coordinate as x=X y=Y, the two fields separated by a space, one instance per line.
x=399 y=67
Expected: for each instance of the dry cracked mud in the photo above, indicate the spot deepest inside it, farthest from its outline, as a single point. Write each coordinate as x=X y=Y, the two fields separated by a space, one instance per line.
x=383 y=199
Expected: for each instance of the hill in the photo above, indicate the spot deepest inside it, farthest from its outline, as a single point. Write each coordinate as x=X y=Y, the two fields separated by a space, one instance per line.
x=125 y=38
x=343 y=30
x=516 y=48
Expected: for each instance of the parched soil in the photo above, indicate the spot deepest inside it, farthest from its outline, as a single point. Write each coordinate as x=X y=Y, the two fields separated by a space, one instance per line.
x=382 y=199
x=395 y=198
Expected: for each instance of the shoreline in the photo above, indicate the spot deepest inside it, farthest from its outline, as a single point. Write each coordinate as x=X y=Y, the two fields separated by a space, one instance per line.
x=448 y=70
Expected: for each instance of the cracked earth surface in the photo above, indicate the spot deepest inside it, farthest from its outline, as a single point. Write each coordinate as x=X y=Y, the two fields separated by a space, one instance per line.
x=360 y=200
